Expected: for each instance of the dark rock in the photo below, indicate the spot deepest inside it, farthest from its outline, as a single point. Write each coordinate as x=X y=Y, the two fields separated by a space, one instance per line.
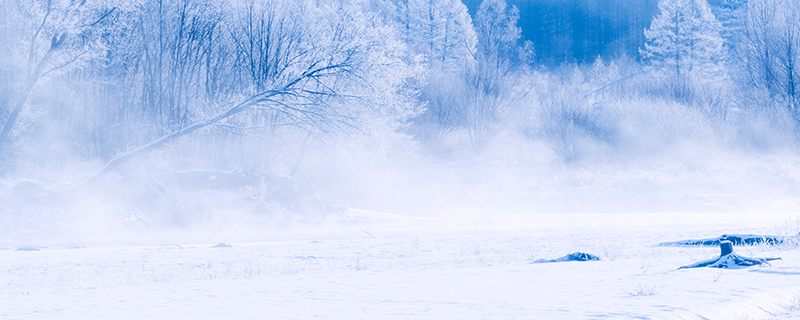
x=575 y=256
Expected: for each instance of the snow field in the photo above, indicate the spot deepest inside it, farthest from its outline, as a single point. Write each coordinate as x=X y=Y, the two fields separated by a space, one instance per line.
x=379 y=272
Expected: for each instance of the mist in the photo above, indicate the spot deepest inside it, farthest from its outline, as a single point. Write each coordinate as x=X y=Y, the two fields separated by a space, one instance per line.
x=165 y=121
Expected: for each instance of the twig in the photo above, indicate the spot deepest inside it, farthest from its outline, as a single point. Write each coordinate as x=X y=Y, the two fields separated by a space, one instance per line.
x=369 y=234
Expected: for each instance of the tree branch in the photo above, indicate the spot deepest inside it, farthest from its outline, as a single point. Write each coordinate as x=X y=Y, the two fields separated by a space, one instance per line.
x=263 y=97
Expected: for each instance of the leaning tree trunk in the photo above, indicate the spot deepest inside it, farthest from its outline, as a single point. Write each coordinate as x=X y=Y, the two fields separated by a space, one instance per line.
x=12 y=118
x=291 y=88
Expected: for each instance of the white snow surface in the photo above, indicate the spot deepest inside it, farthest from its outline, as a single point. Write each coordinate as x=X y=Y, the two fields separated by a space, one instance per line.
x=385 y=266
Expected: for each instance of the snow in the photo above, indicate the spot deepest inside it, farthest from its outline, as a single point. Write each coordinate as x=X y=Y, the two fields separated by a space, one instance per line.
x=400 y=267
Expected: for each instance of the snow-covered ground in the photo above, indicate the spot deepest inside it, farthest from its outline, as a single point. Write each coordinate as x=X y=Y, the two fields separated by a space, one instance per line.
x=387 y=266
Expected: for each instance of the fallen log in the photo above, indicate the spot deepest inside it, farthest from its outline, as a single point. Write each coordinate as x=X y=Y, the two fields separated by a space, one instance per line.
x=735 y=239
x=730 y=260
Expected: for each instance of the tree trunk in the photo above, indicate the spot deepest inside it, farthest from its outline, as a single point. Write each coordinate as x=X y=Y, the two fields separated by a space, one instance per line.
x=12 y=118
x=726 y=248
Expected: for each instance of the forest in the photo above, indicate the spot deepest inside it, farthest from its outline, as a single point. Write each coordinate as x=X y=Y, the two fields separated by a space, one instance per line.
x=147 y=114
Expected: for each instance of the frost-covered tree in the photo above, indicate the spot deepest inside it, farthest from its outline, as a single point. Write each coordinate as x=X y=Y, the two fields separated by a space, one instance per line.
x=684 y=36
x=788 y=57
x=498 y=33
x=731 y=14
x=48 y=38
x=440 y=30
x=486 y=83
x=178 y=43
x=306 y=65
x=770 y=51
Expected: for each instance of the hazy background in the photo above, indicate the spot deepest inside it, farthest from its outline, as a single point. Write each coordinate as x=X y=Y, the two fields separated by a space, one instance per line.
x=149 y=119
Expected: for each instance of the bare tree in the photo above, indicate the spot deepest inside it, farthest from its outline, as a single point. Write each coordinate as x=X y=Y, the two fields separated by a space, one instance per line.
x=788 y=58
x=498 y=33
x=310 y=65
x=178 y=40
x=57 y=35
x=770 y=51
x=756 y=51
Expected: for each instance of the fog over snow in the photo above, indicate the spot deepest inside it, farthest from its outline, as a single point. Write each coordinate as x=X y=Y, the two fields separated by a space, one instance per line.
x=373 y=159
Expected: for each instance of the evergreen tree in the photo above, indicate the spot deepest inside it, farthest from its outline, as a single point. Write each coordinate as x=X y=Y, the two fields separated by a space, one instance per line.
x=684 y=36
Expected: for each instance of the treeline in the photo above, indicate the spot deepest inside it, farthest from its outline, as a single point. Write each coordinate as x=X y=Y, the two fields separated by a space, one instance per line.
x=295 y=89
x=107 y=78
